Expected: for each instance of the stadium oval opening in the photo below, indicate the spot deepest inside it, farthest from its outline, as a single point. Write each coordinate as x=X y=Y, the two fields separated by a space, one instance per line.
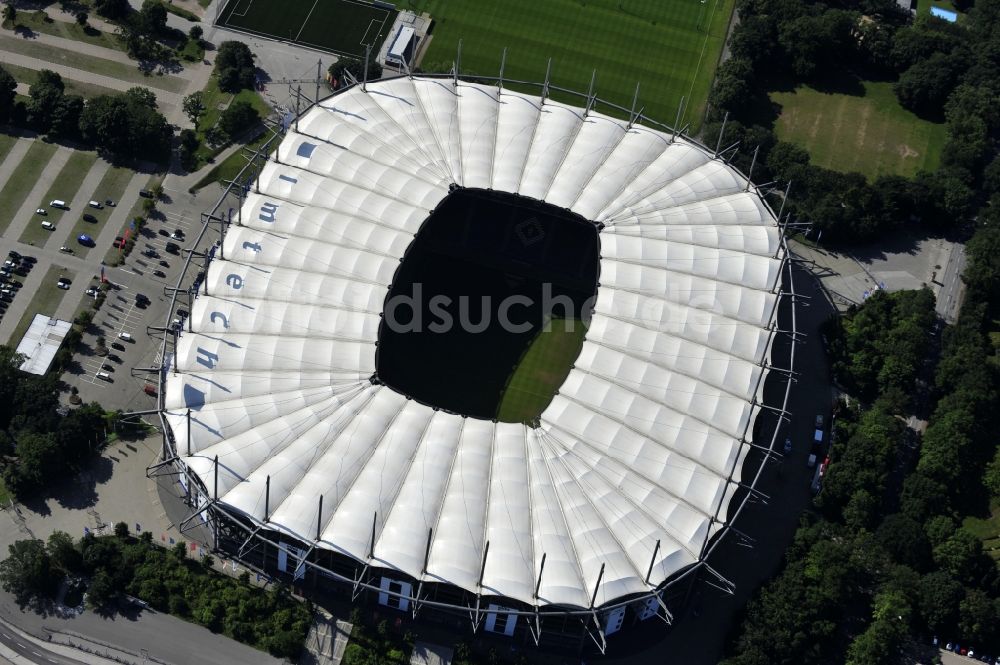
x=488 y=309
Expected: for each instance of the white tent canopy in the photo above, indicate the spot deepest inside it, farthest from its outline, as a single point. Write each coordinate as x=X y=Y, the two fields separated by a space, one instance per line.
x=640 y=451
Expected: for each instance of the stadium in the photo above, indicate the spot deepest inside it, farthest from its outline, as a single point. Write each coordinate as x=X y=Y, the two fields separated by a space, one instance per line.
x=332 y=444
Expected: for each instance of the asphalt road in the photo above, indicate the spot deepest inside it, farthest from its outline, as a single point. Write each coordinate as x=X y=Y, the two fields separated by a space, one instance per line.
x=30 y=651
x=949 y=299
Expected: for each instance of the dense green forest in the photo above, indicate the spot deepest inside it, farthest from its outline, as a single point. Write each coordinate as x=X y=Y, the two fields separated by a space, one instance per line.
x=878 y=567
x=941 y=70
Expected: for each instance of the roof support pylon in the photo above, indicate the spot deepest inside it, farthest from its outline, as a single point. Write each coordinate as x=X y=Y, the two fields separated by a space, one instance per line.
x=652 y=560
x=677 y=122
x=545 y=86
x=722 y=130
x=590 y=94
x=503 y=64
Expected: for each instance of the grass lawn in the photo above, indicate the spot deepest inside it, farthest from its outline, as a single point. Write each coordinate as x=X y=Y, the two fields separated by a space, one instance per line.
x=6 y=144
x=22 y=180
x=230 y=167
x=216 y=101
x=41 y=22
x=85 y=90
x=63 y=187
x=112 y=186
x=110 y=68
x=670 y=47
x=871 y=134
x=542 y=369
x=45 y=300
x=988 y=530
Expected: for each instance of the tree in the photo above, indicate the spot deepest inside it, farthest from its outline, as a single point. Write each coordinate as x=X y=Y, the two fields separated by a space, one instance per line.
x=101 y=590
x=126 y=125
x=355 y=67
x=27 y=572
x=977 y=617
x=46 y=96
x=234 y=67
x=10 y=14
x=237 y=118
x=152 y=18
x=65 y=119
x=141 y=96
x=8 y=94
x=924 y=87
x=63 y=553
x=194 y=106
x=195 y=33
x=112 y=9
x=81 y=18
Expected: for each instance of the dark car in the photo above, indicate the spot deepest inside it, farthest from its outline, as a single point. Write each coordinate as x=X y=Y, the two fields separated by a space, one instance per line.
x=14 y=255
x=145 y=193
x=109 y=202
x=159 y=273
x=165 y=264
x=164 y=232
x=87 y=217
x=150 y=252
x=29 y=259
x=141 y=300
x=118 y=346
x=173 y=248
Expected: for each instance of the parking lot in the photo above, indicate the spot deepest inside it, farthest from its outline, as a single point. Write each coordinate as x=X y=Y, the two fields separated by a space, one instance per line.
x=140 y=275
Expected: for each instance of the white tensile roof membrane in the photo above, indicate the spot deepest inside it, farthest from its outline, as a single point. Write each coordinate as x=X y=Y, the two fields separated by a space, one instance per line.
x=641 y=444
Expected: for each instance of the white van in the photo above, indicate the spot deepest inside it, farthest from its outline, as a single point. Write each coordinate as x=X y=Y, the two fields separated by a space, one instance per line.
x=125 y=336
x=104 y=376
x=48 y=225
x=57 y=203
x=95 y=204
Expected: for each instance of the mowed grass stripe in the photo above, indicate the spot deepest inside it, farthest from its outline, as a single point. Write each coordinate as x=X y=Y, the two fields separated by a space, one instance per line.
x=89 y=63
x=81 y=88
x=45 y=300
x=869 y=133
x=23 y=180
x=65 y=187
x=67 y=30
x=6 y=145
x=657 y=43
x=542 y=369
x=112 y=186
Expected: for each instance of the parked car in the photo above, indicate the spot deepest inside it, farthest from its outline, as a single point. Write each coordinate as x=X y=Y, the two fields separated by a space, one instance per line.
x=119 y=242
x=14 y=255
x=788 y=444
x=29 y=259
x=172 y=248
x=150 y=252
x=164 y=232
x=58 y=203
x=91 y=292
x=126 y=336
x=159 y=273
x=87 y=217
x=177 y=234
x=67 y=250
x=145 y=193
x=85 y=240
x=95 y=204
x=63 y=284
x=103 y=376
x=141 y=300
x=41 y=211
x=49 y=226
x=118 y=346
x=109 y=202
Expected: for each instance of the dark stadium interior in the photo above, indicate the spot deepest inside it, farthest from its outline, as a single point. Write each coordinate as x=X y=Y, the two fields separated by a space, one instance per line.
x=480 y=247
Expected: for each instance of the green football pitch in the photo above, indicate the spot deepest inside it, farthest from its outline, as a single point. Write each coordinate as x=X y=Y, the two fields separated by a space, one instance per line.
x=338 y=26
x=542 y=369
x=670 y=47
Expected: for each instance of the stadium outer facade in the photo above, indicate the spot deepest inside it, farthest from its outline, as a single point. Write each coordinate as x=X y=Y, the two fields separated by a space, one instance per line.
x=302 y=467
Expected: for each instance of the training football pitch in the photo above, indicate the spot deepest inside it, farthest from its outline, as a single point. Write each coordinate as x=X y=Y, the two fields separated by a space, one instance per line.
x=670 y=47
x=870 y=132
x=343 y=27
x=541 y=371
